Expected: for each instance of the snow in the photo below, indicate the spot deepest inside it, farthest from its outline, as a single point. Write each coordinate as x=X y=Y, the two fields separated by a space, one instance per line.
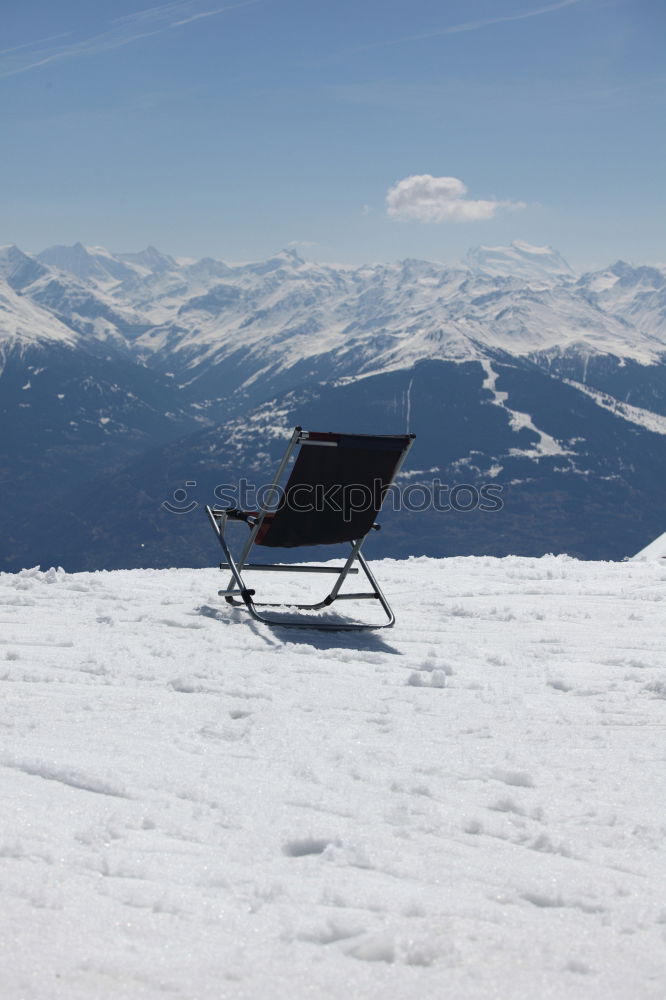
x=520 y=259
x=468 y=805
x=655 y=422
x=520 y=299
x=546 y=445
x=636 y=294
x=24 y=323
x=655 y=550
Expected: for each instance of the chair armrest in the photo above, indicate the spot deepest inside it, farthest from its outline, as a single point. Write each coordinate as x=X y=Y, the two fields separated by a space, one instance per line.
x=249 y=516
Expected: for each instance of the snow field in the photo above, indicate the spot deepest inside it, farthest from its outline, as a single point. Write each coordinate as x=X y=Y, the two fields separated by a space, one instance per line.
x=469 y=805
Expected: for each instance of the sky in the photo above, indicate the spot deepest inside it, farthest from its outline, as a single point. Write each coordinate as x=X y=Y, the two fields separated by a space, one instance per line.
x=354 y=130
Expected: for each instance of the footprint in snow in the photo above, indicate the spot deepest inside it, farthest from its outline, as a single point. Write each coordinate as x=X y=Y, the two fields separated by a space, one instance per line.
x=436 y=679
x=560 y=685
x=308 y=845
x=521 y=779
x=188 y=685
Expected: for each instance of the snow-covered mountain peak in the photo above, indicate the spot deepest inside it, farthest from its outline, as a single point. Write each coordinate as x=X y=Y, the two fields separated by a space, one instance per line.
x=519 y=260
x=290 y=255
x=23 y=322
x=286 y=258
x=151 y=259
x=629 y=275
x=17 y=268
x=10 y=252
x=425 y=270
x=520 y=298
x=635 y=294
x=620 y=275
x=88 y=263
x=207 y=268
x=74 y=259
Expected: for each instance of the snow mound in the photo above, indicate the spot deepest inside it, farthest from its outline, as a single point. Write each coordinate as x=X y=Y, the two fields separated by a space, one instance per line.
x=655 y=550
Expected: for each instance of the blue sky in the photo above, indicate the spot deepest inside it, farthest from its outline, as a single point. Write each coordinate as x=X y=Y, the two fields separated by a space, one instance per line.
x=355 y=131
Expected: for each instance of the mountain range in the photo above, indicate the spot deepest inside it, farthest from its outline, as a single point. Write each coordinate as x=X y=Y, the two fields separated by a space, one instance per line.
x=124 y=377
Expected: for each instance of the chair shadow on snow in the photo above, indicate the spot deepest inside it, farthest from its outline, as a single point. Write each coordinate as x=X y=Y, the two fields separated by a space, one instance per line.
x=337 y=638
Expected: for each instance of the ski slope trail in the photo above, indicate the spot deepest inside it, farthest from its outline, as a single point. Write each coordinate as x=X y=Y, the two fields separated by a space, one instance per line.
x=469 y=805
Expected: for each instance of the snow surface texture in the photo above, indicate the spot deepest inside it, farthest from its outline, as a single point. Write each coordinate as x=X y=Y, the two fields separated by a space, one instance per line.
x=469 y=805
x=655 y=550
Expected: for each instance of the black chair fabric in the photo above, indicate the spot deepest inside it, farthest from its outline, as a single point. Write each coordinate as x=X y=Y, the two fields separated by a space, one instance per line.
x=335 y=490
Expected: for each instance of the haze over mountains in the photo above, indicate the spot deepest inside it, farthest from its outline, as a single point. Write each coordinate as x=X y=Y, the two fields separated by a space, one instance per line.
x=124 y=376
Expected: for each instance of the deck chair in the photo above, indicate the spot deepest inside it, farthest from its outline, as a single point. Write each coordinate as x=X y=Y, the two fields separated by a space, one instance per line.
x=333 y=494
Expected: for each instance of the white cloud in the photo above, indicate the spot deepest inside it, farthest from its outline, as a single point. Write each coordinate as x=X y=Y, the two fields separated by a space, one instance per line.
x=424 y=198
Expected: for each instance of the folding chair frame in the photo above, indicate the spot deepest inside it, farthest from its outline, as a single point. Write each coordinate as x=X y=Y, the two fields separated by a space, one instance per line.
x=237 y=588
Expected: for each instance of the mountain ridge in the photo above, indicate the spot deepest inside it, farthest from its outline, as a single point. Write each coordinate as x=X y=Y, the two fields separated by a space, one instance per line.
x=126 y=368
x=619 y=310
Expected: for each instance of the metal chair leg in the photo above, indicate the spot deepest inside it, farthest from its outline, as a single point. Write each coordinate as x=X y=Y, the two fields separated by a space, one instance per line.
x=246 y=594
